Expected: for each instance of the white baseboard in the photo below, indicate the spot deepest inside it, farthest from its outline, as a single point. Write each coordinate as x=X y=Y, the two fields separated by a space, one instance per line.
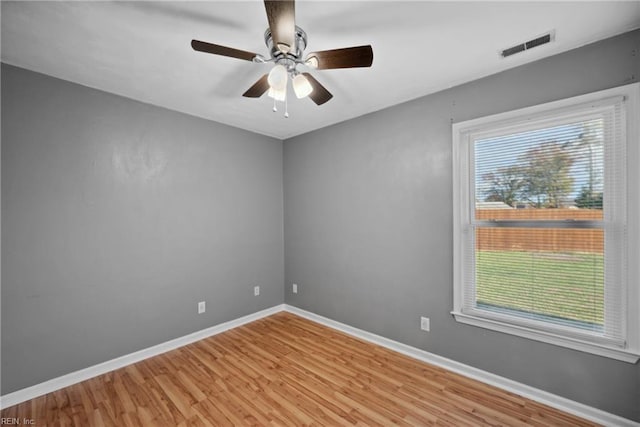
x=110 y=365
x=555 y=401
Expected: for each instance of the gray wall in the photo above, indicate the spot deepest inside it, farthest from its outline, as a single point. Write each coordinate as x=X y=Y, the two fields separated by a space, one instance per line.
x=117 y=218
x=368 y=224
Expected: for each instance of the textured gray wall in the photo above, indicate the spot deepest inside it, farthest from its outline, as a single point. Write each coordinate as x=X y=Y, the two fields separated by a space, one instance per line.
x=117 y=218
x=368 y=224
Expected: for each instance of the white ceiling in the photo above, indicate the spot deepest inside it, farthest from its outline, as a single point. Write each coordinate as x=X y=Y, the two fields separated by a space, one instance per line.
x=141 y=50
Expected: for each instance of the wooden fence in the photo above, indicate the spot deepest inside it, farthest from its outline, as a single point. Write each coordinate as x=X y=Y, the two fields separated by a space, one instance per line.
x=540 y=239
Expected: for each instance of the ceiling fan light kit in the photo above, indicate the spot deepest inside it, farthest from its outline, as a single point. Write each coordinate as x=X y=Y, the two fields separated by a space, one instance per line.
x=286 y=43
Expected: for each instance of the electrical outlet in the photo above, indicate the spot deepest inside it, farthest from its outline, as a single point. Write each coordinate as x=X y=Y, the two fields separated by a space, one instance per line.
x=256 y=291
x=425 y=324
x=294 y=288
x=201 y=307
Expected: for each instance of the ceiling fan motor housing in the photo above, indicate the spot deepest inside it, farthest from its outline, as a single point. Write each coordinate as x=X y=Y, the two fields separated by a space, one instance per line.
x=294 y=54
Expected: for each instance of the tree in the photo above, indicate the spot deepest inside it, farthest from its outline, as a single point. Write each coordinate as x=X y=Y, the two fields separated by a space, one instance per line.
x=590 y=143
x=504 y=185
x=546 y=175
x=588 y=199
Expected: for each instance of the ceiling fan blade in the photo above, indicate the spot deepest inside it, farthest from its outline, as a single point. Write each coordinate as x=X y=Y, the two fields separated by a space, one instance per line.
x=281 y=15
x=216 y=49
x=348 y=57
x=320 y=94
x=258 y=88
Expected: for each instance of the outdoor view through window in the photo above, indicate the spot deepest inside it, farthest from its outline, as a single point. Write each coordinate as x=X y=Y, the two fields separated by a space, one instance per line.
x=539 y=239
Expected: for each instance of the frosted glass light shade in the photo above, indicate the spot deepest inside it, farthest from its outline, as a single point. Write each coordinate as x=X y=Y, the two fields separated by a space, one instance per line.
x=278 y=77
x=301 y=86
x=278 y=95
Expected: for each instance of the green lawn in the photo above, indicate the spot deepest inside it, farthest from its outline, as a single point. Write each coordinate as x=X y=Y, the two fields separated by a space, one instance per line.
x=556 y=284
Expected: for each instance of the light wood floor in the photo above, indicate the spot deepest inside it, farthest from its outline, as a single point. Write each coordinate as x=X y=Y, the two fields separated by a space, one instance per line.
x=284 y=370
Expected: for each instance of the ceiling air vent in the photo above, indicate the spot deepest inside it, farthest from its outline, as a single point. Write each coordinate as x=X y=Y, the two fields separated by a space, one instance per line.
x=538 y=41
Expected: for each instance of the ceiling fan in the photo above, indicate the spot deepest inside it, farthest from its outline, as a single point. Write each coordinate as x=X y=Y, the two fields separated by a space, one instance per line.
x=286 y=43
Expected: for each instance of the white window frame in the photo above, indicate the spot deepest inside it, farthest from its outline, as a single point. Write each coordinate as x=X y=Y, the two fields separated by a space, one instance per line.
x=463 y=176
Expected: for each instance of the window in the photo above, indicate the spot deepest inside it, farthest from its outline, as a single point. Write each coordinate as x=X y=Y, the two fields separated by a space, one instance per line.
x=547 y=223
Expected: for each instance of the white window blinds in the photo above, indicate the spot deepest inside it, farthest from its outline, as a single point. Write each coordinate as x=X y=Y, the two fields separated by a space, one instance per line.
x=538 y=222
x=541 y=231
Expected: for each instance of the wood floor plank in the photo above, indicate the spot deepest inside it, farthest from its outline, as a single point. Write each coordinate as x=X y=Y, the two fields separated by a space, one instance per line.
x=284 y=370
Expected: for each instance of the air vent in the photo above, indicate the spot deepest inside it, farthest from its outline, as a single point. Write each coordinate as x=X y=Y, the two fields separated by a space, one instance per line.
x=538 y=41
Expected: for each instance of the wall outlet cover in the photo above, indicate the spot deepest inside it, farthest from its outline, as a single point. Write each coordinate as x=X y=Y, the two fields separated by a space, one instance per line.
x=256 y=290
x=202 y=307
x=425 y=324
x=294 y=288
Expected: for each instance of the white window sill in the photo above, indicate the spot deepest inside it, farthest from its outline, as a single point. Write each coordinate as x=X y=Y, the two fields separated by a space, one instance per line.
x=549 y=337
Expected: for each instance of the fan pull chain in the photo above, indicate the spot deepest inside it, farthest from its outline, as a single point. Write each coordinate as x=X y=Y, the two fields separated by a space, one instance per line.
x=274 y=105
x=286 y=108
